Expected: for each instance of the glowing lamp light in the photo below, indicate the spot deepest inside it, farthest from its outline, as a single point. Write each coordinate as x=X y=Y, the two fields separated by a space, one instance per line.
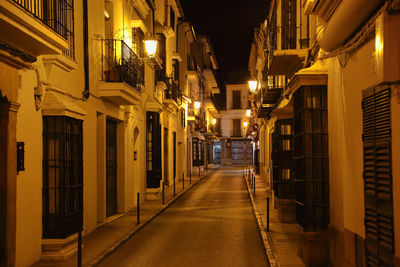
x=248 y=113
x=197 y=104
x=106 y=14
x=253 y=85
x=245 y=124
x=151 y=47
x=214 y=121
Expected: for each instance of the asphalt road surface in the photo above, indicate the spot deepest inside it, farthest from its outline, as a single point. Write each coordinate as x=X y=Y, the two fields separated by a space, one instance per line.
x=211 y=225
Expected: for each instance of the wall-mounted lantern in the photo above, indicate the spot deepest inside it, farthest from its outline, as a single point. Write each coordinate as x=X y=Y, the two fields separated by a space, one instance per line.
x=20 y=156
x=151 y=46
x=253 y=84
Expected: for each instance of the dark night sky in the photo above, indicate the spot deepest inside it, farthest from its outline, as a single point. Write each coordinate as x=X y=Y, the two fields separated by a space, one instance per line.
x=230 y=25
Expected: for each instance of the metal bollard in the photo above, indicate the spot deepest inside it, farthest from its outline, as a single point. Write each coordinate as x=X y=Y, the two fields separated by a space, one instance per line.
x=174 y=185
x=163 y=192
x=138 y=208
x=183 y=181
x=267 y=214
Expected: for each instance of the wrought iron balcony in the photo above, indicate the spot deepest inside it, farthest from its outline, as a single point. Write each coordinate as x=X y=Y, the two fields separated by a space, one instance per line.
x=121 y=64
x=236 y=133
x=172 y=90
x=57 y=14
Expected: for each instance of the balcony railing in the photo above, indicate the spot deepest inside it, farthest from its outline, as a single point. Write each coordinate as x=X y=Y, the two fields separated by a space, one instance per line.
x=56 y=14
x=121 y=64
x=236 y=133
x=172 y=90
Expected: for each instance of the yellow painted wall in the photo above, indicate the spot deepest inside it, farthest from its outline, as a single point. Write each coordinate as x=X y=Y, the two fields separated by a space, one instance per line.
x=29 y=182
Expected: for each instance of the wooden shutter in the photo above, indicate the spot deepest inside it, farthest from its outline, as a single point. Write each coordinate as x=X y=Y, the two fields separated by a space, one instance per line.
x=378 y=176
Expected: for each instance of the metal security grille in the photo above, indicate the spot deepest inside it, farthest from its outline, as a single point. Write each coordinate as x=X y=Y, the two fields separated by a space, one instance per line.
x=283 y=164
x=289 y=24
x=311 y=170
x=377 y=174
x=56 y=14
x=153 y=149
x=62 y=176
x=111 y=167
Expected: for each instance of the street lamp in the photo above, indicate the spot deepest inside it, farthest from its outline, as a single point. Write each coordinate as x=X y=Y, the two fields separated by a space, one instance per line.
x=214 y=121
x=197 y=104
x=151 y=47
x=248 y=112
x=245 y=124
x=253 y=84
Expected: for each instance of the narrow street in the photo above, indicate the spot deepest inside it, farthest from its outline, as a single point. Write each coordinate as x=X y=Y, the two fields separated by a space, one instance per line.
x=211 y=225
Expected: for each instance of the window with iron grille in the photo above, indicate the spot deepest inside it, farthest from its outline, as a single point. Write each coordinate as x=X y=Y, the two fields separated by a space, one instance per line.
x=62 y=176
x=138 y=41
x=183 y=118
x=153 y=149
x=378 y=184
x=311 y=171
x=289 y=24
x=201 y=152
x=283 y=159
x=195 y=151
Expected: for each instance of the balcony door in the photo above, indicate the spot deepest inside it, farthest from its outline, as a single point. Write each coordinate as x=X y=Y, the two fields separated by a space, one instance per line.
x=236 y=127
x=236 y=100
x=111 y=168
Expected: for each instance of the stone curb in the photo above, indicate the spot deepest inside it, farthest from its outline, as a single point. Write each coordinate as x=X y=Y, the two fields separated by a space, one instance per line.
x=118 y=243
x=264 y=235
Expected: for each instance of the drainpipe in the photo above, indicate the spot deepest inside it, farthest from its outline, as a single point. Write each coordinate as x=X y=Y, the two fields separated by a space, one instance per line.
x=347 y=18
x=86 y=92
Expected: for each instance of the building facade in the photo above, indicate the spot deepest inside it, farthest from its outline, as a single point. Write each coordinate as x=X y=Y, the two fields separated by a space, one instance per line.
x=328 y=130
x=88 y=118
x=236 y=147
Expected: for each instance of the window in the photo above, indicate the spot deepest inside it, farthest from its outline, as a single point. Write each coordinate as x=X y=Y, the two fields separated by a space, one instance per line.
x=236 y=127
x=236 y=100
x=311 y=170
x=197 y=152
x=138 y=42
x=175 y=65
x=183 y=118
x=289 y=23
x=377 y=174
x=171 y=18
x=62 y=176
x=153 y=149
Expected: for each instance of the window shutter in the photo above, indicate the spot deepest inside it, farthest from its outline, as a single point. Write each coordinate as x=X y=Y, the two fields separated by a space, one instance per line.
x=378 y=176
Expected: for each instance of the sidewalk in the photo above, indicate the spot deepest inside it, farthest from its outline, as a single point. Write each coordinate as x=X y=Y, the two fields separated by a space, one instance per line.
x=108 y=237
x=281 y=240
